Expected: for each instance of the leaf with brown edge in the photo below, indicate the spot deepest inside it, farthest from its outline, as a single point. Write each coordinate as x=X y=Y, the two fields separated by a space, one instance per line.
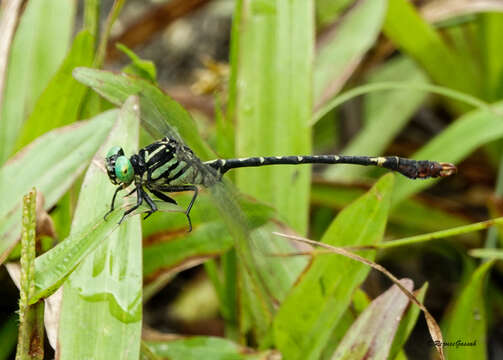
x=372 y=333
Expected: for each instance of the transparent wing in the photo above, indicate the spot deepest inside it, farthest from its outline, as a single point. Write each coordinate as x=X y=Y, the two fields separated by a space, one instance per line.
x=155 y=118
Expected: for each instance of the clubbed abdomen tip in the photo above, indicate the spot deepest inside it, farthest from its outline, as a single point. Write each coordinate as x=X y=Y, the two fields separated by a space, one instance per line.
x=448 y=169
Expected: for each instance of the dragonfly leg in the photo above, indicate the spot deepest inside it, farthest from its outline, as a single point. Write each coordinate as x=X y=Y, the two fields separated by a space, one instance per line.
x=113 y=202
x=163 y=197
x=129 y=193
x=139 y=200
x=151 y=204
x=185 y=188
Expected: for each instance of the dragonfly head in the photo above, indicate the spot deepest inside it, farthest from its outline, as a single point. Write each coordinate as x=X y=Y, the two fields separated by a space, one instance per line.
x=119 y=168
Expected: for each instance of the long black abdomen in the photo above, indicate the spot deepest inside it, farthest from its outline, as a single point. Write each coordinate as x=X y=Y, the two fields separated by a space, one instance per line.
x=411 y=168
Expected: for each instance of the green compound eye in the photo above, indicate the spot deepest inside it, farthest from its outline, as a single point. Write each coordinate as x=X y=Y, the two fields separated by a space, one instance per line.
x=114 y=150
x=124 y=170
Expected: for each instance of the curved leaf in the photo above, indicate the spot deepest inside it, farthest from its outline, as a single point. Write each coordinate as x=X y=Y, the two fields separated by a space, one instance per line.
x=54 y=108
x=103 y=295
x=44 y=165
x=39 y=46
x=313 y=308
x=341 y=48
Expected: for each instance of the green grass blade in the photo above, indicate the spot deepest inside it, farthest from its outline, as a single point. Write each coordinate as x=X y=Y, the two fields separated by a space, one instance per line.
x=138 y=67
x=386 y=113
x=146 y=353
x=39 y=46
x=392 y=85
x=31 y=317
x=491 y=30
x=311 y=311
x=341 y=48
x=460 y=139
x=467 y=321
x=117 y=88
x=92 y=17
x=487 y=253
x=410 y=213
x=442 y=233
x=105 y=33
x=54 y=108
x=45 y=166
x=101 y=312
x=414 y=36
x=327 y=11
x=274 y=101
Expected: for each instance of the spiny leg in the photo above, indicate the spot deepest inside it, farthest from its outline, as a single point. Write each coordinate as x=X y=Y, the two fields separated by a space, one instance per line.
x=113 y=201
x=139 y=201
x=185 y=188
x=162 y=196
x=151 y=204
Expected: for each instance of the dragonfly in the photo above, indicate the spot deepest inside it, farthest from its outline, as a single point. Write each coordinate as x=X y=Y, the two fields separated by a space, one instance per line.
x=168 y=166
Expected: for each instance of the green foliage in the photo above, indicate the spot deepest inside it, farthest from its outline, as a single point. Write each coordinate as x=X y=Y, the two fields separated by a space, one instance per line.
x=39 y=46
x=274 y=71
x=108 y=282
x=311 y=311
x=468 y=320
x=284 y=85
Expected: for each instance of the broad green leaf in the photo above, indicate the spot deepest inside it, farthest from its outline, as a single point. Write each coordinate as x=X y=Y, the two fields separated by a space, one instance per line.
x=313 y=308
x=461 y=138
x=274 y=101
x=201 y=347
x=372 y=333
x=117 y=88
x=341 y=48
x=467 y=321
x=54 y=108
x=45 y=166
x=39 y=46
x=53 y=267
x=415 y=37
x=102 y=297
x=407 y=323
x=411 y=214
x=386 y=113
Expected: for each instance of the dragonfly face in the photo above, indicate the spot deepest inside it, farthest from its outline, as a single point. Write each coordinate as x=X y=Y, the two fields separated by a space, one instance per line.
x=160 y=168
x=119 y=168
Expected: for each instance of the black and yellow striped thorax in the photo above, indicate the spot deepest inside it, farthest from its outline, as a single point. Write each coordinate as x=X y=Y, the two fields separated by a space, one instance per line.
x=167 y=163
